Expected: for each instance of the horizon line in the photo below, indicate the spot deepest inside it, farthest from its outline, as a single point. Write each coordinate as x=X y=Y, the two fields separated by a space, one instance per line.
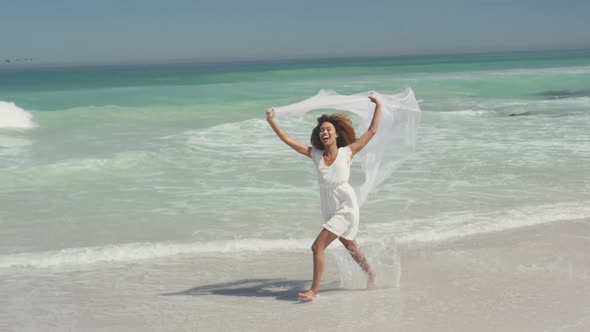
x=271 y=59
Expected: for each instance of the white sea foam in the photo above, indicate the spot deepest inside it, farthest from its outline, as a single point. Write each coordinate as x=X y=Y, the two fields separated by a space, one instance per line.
x=130 y=160
x=10 y=145
x=124 y=160
x=12 y=116
x=456 y=225
x=470 y=112
x=141 y=251
x=404 y=232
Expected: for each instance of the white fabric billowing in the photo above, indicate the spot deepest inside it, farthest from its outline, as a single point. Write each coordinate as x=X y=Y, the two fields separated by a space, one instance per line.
x=395 y=138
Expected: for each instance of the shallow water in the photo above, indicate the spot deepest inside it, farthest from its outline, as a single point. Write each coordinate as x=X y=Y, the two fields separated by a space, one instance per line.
x=136 y=163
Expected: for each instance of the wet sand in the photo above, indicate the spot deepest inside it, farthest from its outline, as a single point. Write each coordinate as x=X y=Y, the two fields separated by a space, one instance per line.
x=529 y=279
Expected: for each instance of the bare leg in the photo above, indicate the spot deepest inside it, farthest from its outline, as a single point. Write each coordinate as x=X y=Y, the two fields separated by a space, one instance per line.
x=319 y=245
x=359 y=257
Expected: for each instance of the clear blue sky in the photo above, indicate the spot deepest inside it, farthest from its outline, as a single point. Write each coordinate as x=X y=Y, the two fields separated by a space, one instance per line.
x=148 y=30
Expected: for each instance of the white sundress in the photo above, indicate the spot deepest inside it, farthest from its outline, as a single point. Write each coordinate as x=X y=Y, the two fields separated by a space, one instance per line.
x=337 y=198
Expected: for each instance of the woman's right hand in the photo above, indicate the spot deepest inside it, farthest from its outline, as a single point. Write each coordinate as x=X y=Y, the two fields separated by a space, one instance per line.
x=270 y=113
x=374 y=99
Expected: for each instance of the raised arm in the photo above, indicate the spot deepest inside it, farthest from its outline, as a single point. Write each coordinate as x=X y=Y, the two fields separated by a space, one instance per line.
x=294 y=144
x=366 y=137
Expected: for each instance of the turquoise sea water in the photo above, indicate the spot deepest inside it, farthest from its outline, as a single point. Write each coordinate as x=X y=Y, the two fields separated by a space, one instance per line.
x=138 y=162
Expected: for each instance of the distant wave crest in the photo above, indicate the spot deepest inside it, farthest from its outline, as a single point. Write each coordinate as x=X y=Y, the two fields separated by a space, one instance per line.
x=470 y=112
x=12 y=116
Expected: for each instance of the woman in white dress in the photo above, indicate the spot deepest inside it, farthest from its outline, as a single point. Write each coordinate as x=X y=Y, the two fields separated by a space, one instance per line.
x=334 y=144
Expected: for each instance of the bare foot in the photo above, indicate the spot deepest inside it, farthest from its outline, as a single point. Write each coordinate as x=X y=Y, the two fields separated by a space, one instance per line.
x=307 y=296
x=371 y=281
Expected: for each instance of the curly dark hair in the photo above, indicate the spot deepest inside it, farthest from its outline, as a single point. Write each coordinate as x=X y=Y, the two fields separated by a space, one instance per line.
x=343 y=126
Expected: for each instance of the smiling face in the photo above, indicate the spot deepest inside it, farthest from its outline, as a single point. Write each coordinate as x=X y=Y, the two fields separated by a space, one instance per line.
x=328 y=134
x=335 y=129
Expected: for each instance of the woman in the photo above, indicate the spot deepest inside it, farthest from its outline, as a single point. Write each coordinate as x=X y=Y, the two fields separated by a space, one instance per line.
x=334 y=145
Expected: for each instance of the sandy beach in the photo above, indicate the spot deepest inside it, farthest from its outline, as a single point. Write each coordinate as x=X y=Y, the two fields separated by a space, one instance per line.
x=529 y=279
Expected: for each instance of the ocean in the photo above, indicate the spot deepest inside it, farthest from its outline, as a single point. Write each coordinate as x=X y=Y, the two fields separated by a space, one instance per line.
x=107 y=167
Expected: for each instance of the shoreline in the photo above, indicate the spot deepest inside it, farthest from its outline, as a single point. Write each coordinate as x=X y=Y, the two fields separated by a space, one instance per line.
x=527 y=279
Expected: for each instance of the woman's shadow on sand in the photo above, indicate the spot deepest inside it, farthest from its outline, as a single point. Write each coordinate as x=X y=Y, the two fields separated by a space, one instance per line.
x=279 y=288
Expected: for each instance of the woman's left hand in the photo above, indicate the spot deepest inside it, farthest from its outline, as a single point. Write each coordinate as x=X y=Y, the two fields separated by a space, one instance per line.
x=270 y=113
